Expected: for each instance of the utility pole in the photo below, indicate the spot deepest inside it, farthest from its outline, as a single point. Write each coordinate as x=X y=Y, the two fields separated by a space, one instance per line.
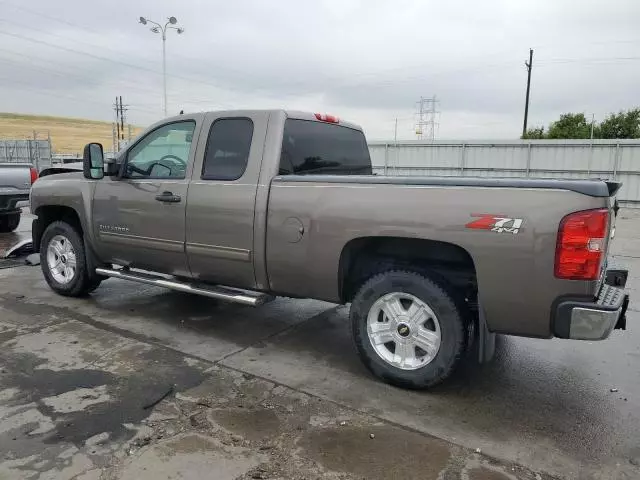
x=529 y=66
x=117 y=127
x=121 y=119
x=113 y=138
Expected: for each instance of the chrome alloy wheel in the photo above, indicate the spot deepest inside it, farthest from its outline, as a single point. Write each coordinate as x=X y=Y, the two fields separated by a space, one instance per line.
x=61 y=259
x=403 y=330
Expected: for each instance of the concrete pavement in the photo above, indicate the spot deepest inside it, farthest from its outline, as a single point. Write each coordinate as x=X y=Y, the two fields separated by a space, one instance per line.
x=283 y=377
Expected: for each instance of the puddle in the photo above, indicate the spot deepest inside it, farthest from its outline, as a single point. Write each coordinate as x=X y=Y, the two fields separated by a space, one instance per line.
x=352 y=450
x=253 y=424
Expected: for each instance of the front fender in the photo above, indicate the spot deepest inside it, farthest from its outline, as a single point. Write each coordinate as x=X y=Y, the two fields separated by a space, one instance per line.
x=66 y=190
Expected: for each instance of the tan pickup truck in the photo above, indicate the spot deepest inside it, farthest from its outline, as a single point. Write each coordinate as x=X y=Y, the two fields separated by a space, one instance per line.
x=247 y=205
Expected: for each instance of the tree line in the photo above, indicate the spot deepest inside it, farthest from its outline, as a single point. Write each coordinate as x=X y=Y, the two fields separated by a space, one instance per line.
x=625 y=124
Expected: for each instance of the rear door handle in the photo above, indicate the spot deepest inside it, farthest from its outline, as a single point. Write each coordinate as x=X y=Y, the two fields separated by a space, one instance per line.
x=168 y=197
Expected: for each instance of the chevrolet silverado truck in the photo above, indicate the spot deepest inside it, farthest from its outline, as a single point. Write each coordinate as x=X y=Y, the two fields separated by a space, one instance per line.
x=248 y=205
x=15 y=182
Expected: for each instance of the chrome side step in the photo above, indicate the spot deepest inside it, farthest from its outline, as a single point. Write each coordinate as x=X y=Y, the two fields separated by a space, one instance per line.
x=230 y=294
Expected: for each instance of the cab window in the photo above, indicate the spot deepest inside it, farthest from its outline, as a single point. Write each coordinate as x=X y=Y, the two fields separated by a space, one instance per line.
x=163 y=153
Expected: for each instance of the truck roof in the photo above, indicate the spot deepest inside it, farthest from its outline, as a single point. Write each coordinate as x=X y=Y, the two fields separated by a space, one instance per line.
x=297 y=114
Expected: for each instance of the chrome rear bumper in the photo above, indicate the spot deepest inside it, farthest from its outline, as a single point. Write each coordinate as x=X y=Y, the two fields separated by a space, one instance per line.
x=580 y=320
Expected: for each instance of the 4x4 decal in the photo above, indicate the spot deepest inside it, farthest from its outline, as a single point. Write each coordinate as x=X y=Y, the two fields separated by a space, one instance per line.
x=496 y=223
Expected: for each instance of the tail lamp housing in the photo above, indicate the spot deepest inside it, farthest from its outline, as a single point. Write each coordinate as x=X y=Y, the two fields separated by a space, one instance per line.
x=581 y=244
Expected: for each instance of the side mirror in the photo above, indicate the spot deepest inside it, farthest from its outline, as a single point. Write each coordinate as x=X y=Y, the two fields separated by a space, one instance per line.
x=93 y=161
x=112 y=169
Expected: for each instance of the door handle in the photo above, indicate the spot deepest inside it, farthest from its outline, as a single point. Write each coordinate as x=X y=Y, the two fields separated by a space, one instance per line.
x=168 y=197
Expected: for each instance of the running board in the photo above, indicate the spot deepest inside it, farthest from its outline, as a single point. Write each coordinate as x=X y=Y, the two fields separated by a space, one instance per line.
x=230 y=294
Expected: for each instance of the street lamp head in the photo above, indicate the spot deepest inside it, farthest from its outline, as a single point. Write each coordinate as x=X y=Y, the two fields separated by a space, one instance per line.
x=173 y=20
x=180 y=30
x=155 y=29
x=143 y=21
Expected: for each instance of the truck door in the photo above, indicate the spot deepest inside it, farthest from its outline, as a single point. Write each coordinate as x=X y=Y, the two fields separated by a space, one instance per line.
x=139 y=218
x=222 y=197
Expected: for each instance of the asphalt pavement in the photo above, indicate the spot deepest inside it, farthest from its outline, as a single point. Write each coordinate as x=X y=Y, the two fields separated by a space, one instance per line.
x=564 y=408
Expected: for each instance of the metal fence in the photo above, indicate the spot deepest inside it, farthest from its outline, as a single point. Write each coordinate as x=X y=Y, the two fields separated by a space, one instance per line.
x=607 y=159
x=36 y=152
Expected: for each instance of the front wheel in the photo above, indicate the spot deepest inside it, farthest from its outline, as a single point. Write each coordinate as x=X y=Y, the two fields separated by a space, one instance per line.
x=63 y=261
x=408 y=330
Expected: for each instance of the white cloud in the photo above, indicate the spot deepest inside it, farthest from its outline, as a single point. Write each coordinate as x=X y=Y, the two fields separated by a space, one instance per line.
x=368 y=61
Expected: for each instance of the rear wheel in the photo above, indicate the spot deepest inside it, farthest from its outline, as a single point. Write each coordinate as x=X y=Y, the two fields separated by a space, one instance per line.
x=408 y=330
x=63 y=261
x=9 y=222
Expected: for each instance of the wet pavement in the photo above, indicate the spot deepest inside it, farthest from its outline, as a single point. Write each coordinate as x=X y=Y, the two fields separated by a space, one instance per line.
x=7 y=240
x=278 y=392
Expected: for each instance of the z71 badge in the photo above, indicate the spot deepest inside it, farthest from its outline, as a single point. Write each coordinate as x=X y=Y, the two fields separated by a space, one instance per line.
x=496 y=223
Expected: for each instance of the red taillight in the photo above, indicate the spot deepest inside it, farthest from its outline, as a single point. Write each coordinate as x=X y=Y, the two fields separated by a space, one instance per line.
x=327 y=118
x=34 y=175
x=581 y=243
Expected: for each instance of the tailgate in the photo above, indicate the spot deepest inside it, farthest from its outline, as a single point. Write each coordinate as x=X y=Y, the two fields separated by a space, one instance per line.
x=15 y=178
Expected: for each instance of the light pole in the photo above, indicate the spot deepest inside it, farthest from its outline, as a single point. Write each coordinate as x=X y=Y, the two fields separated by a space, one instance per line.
x=157 y=28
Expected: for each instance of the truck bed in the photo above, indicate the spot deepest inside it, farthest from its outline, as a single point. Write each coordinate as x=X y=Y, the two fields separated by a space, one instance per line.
x=338 y=210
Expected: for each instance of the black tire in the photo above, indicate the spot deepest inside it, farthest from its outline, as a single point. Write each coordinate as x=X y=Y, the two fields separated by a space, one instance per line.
x=83 y=281
x=451 y=318
x=9 y=222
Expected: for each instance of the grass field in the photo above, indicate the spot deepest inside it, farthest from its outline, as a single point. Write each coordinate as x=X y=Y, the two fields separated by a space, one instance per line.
x=68 y=135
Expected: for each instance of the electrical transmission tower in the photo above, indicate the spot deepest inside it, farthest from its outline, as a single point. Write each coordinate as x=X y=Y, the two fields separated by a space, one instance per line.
x=426 y=118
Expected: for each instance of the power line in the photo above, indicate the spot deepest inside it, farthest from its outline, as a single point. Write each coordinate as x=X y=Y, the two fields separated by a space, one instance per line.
x=582 y=43
x=80 y=52
x=328 y=79
x=63 y=37
x=206 y=83
x=375 y=73
x=337 y=82
x=67 y=74
x=48 y=17
x=555 y=61
x=343 y=84
x=56 y=94
x=45 y=93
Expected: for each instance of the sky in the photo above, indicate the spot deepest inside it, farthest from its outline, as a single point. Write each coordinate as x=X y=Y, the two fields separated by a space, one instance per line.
x=367 y=61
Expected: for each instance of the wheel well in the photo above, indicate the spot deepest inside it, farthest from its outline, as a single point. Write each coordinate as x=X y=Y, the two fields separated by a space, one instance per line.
x=363 y=257
x=49 y=214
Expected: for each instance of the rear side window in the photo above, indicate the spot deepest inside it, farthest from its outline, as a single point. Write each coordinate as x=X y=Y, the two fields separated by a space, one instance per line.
x=323 y=149
x=228 y=147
